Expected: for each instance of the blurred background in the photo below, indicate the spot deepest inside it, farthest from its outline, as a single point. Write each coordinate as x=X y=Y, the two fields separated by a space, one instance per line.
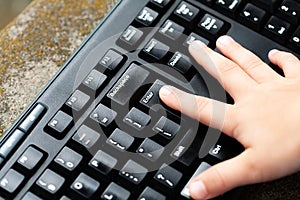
x=9 y=9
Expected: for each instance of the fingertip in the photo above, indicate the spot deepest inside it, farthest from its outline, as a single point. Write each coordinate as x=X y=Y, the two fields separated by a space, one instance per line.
x=272 y=53
x=224 y=40
x=198 y=190
x=196 y=46
x=165 y=91
x=166 y=94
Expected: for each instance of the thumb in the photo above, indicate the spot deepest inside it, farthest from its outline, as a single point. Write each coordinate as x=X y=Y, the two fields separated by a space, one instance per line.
x=224 y=176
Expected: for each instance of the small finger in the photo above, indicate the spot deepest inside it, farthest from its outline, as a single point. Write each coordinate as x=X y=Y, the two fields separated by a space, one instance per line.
x=248 y=61
x=210 y=112
x=289 y=63
x=234 y=80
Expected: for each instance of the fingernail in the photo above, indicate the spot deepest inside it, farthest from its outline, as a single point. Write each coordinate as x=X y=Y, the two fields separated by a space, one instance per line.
x=196 y=45
x=225 y=40
x=165 y=91
x=198 y=190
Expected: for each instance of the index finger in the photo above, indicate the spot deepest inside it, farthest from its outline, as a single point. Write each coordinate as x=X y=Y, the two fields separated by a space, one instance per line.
x=234 y=80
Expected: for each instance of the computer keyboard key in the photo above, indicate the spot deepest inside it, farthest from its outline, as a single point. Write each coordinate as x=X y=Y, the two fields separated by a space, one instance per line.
x=207 y=2
x=166 y=127
x=94 y=80
x=192 y=37
x=68 y=159
x=78 y=100
x=211 y=25
x=150 y=194
x=103 y=115
x=131 y=38
x=133 y=172
x=151 y=98
x=120 y=140
x=11 y=181
x=150 y=149
x=114 y=191
x=225 y=148
x=50 y=181
x=32 y=118
x=86 y=136
x=161 y=3
x=180 y=62
x=290 y=10
x=30 y=196
x=171 y=30
x=186 y=11
x=268 y=5
x=85 y=185
x=147 y=16
x=202 y=167
x=137 y=119
x=168 y=176
x=30 y=158
x=111 y=60
x=60 y=123
x=229 y=6
x=253 y=16
x=277 y=29
x=103 y=162
x=11 y=143
x=128 y=84
x=64 y=198
x=183 y=151
x=295 y=40
x=156 y=49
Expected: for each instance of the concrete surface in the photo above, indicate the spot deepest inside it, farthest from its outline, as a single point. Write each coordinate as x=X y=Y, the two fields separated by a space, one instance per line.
x=36 y=43
x=9 y=9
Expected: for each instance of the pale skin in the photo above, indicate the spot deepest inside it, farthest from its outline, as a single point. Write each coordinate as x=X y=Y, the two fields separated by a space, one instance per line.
x=264 y=117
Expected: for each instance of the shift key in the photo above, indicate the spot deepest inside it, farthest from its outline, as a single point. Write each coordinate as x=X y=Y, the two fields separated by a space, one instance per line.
x=128 y=84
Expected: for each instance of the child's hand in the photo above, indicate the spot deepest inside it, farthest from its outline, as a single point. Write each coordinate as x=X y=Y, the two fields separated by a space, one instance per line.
x=265 y=117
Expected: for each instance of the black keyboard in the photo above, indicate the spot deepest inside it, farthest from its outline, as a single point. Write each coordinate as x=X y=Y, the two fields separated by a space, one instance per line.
x=99 y=129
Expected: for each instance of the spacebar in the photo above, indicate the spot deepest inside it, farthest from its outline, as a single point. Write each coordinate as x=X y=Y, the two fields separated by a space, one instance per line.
x=128 y=84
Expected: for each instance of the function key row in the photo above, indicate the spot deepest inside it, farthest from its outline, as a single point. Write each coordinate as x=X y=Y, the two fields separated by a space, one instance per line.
x=62 y=121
